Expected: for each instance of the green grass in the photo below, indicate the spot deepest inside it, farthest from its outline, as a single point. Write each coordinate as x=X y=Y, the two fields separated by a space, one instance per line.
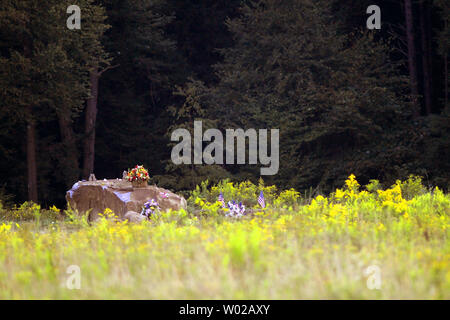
x=296 y=248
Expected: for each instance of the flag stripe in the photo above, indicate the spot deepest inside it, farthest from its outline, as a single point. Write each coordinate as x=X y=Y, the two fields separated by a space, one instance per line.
x=261 y=200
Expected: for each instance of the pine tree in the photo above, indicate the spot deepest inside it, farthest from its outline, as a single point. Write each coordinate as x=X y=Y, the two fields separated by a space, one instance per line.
x=443 y=40
x=412 y=56
x=132 y=105
x=98 y=62
x=329 y=93
x=43 y=72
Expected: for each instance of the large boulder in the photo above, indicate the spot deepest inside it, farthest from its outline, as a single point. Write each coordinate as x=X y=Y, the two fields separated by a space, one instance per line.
x=119 y=196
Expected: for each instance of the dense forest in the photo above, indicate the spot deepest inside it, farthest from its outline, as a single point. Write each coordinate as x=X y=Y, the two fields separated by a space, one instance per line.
x=106 y=97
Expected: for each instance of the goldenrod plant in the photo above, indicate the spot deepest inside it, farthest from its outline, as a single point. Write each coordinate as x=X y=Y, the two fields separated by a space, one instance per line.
x=328 y=247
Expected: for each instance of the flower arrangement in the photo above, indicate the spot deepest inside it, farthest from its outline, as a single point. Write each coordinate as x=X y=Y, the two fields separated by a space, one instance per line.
x=149 y=208
x=236 y=210
x=138 y=176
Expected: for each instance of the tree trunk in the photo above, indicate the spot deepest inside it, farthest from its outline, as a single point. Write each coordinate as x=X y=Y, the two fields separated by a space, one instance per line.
x=31 y=159
x=90 y=119
x=446 y=81
x=446 y=74
x=411 y=56
x=70 y=160
x=425 y=61
x=31 y=140
x=430 y=46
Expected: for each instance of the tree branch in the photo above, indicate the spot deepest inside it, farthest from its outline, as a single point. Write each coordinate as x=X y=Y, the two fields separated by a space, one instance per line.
x=108 y=68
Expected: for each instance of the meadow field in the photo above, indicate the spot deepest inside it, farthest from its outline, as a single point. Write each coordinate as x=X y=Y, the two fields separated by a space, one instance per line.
x=360 y=242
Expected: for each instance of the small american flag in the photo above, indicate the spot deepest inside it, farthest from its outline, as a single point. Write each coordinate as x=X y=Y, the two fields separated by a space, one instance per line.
x=261 y=200
x=221 y=200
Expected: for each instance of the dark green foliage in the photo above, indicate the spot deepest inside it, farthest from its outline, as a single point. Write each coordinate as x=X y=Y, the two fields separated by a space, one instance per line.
x=336 y=98
x=43 y=76
x=138 y=89
x=337 y=92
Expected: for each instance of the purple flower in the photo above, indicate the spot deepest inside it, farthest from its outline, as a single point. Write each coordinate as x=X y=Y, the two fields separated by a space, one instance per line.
x=149 y=208
x=221 y=200
x=235 y=210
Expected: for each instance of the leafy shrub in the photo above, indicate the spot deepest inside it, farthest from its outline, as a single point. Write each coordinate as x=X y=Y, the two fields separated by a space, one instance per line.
x=288 y=198
x=74 y=219
x=245 y=191
x=412 y=187
x=373 y=186
x=29 y=211
x=6 y=199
